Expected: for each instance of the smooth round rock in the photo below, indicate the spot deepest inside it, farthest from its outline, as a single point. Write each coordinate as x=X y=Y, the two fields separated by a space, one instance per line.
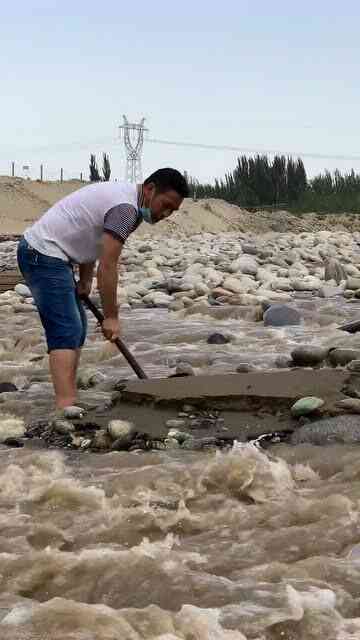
x=306 y=406
x=23 y=291
x=73 y=412
x=341 y=357
x=63 y=427
x=120 y=429
x=308 y=355
x=280 y=315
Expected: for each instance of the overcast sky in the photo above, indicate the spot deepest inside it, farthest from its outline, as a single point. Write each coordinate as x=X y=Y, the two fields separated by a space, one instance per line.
x=256 y=75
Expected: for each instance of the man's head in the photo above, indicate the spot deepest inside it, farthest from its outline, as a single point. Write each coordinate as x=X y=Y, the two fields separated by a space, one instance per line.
x=164 y=192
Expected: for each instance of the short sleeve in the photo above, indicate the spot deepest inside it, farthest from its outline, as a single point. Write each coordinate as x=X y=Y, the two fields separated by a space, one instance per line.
x=120 y=221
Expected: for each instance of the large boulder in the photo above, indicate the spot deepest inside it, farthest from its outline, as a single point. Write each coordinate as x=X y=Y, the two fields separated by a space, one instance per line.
x=344 y=429
x=280 y=315
x=308 y=355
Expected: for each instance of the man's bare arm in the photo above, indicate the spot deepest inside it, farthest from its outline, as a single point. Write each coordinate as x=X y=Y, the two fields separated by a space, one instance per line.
x=107 y=274
x=86 y=272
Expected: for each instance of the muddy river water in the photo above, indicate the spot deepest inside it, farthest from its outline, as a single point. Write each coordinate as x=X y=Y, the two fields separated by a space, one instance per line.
x=167 y=545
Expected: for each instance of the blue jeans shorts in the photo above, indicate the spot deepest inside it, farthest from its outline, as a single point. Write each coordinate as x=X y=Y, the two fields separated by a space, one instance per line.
x=51 y=282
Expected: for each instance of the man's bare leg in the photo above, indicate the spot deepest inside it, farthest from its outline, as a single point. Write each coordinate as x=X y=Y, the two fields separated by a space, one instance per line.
x=63 y=368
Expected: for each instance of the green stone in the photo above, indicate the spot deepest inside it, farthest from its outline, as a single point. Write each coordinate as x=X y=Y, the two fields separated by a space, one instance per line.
x=305 y=406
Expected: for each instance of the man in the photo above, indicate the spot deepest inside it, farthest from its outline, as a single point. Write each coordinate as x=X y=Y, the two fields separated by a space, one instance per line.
x=88 y=226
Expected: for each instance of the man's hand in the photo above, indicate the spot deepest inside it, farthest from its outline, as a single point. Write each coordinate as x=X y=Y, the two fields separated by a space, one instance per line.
x=111 y=328
x=83 y=287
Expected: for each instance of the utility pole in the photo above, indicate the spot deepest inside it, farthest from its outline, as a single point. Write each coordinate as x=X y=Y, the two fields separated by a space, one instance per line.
x=133 y=136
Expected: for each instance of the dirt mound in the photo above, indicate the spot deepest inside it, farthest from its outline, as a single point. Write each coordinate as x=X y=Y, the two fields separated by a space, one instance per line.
x=23 y=201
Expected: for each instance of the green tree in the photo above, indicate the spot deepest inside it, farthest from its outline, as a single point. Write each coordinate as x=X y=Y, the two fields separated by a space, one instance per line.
x=106 y=169
x=94 y=171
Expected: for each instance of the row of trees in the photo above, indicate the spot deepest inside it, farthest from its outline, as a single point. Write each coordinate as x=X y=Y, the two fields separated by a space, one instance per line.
x=282 y=182
x=94 y=171
x=258 y=181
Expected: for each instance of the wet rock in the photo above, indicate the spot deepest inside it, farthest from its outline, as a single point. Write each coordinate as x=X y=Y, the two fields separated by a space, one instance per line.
x=334 y=270
x=341 y=357
x=101 y=441
x=308 y=355
x=343 y=429
x=184 y=369
x=23 y=291
x=218 y=338
x=245 y=367
x=120 y=429
x=73 y=412
x=306 y=406
x=280 y=315
x=63 y=427
x=352 y=405
x=7 y=387
x=15 y=443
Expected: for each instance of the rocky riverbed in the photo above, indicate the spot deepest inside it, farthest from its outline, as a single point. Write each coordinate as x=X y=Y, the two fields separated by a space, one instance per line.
x=217 y=515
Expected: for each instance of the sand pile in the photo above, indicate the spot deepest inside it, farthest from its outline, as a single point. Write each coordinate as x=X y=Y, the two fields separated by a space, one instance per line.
x=23 y=201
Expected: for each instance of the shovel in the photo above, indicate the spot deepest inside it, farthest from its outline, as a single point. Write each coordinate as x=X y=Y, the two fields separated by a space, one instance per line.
x=119 y=343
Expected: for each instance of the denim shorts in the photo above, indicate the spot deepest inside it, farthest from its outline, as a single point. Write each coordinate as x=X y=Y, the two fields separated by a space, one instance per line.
x=51 y=282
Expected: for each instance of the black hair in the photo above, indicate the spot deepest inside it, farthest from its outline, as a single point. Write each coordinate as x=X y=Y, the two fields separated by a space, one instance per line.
x=169 y=179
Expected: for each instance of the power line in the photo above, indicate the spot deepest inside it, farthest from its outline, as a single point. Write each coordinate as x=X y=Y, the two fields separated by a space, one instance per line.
x=319 y=156
x=111 y=142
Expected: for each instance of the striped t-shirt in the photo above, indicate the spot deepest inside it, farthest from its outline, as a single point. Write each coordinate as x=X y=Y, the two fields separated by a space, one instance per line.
x=72 y=228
